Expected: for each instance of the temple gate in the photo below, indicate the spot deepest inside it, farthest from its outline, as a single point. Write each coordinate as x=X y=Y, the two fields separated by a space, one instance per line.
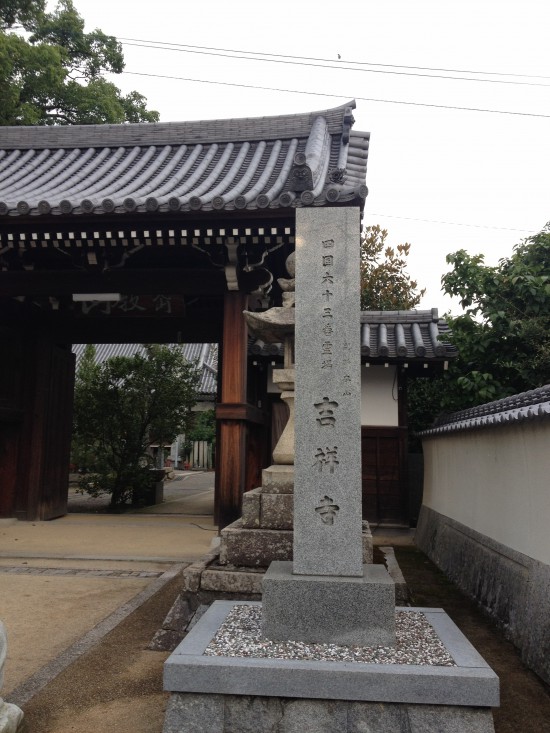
x=150 y=233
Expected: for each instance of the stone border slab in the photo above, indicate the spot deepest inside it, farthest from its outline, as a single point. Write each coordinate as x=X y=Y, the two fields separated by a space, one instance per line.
x=471 y=683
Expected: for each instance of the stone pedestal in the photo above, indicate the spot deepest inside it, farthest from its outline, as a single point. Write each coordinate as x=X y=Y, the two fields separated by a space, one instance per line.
x=320 y=609
x=238 y=694
x=11 y=718
x=265 y=531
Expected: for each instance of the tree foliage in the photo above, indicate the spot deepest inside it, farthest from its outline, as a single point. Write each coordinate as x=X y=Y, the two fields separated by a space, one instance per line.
x=385 y=283
x=503 y=335
x=122 y=407
x=51 y=70
x=20 y=13
x=203 y=427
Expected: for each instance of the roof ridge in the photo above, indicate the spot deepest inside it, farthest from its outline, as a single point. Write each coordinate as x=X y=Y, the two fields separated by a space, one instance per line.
x=400 y=316
x=166 y=133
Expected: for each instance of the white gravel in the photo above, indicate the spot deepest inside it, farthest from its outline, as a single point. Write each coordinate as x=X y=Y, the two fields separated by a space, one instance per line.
x=416 y=642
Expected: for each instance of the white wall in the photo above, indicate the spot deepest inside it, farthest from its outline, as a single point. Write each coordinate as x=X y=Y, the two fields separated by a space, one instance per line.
x=378 y=389
x=379 y=396
x=496 y=481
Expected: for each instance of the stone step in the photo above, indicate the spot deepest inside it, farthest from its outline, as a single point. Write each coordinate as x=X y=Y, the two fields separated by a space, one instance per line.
x=259 y=547
x=254 y=547
x=267 y=511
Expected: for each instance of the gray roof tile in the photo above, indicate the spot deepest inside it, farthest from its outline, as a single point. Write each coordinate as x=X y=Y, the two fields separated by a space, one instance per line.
x=405 y=336
x=523 y=407
x=205 y=357
x=252 y=163
x=393 y=336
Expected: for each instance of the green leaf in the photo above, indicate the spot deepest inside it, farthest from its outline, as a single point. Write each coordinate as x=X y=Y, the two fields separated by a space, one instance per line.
x=55 y=76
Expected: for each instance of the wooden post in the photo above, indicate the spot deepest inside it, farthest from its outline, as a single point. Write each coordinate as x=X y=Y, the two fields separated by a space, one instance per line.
x=231 y=412
x=11 y=415
x=43 y=461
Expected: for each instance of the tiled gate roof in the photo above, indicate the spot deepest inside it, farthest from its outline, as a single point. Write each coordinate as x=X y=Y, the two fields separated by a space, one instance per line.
x=253 y=163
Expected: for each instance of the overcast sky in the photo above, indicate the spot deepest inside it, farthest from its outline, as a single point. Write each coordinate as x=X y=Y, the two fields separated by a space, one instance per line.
x=441 y=179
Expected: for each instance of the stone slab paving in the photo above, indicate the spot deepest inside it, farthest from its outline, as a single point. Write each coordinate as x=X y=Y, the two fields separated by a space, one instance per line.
x=53 y=618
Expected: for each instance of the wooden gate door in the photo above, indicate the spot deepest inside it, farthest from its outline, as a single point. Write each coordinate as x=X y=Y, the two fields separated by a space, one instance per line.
x=384 y=484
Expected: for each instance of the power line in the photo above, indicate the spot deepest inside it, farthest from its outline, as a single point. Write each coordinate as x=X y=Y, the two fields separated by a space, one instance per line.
x=337 y=96
x=338 y=67
x=450 y=223
x=177 y=46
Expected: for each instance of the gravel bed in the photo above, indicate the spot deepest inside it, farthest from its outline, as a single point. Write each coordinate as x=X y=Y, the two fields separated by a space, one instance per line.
x=416 y=642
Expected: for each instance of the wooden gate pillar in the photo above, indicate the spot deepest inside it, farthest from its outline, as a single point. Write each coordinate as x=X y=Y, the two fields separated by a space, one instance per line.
x=44 y=446
x=231 y=411
x=11 y=417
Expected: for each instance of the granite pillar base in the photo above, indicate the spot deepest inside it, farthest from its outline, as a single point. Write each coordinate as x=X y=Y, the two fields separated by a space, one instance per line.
x=322 y=609
x=272 y=695
x=196 y=713
x=259 y=547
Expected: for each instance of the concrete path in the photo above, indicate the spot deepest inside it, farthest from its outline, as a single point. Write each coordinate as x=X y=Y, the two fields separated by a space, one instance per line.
x=68 y=581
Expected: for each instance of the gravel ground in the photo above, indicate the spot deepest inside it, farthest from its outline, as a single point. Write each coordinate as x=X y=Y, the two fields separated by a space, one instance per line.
x=416 y=643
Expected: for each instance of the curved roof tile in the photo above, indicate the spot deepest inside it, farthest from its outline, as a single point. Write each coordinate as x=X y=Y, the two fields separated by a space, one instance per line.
x=522 y=407
x=405 y=336
x=393 y=336
x=277 y=162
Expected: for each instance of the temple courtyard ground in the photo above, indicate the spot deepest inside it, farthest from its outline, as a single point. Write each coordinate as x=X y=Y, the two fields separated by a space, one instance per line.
x=82 y=597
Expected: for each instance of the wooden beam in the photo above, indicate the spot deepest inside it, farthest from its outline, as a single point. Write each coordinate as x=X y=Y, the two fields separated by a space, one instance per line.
x=202 y=323
x=146 y=282
x=240 y=412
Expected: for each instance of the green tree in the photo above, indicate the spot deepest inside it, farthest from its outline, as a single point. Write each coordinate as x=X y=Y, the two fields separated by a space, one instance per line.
x=20 y=13
x=503 y=335
x=51 y=70
x=83 y=452
x=203 y=427
x=122 y=407
x=385 y=284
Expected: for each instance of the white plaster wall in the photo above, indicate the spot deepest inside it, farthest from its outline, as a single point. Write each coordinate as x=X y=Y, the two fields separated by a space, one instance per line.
x=496 y=481
x=378 y=406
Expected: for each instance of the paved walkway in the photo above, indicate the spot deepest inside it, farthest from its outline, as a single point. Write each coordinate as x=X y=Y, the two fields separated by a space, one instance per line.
x=59 y=580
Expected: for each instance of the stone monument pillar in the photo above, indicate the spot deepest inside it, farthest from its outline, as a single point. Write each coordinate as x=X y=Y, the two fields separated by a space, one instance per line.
x=11 y=717
x=327 y=594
